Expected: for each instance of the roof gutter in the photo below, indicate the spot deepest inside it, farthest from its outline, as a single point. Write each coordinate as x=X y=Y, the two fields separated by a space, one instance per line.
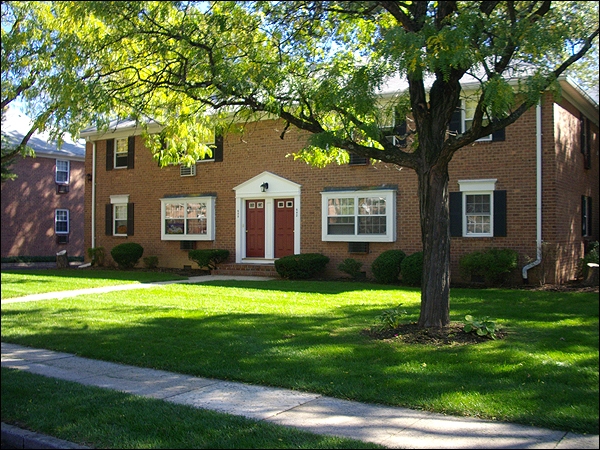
x=538 y=209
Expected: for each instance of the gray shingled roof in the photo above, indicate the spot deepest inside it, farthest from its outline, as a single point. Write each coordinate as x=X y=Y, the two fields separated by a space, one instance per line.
x=16 y=125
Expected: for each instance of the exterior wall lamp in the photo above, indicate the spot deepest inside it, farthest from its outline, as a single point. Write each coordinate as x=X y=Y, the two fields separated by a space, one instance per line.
x=264 y=187
x=89 y=177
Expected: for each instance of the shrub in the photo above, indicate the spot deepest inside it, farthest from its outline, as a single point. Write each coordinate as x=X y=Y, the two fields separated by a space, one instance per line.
x=97 y=255
x=208 y=257
x=127 y=255
x=386 y=267
x=151 y=262
x=590 y=257
x=351 y=267
x=412 y=269
x=298 y=267
x=493 y=265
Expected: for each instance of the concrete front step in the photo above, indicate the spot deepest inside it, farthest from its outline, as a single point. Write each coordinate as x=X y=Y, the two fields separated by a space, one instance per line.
x=253 y=270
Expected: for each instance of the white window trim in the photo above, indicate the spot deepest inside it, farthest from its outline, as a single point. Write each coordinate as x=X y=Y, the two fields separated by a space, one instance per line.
x=477 y=187
x=210 y=219
x=68 y=171
x=56 y=221
x=118 y=200
x=390 y=199
x=463 y=115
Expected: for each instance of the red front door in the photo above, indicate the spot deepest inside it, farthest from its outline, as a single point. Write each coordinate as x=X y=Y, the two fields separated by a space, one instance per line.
x=255 y=228
x=284 y=227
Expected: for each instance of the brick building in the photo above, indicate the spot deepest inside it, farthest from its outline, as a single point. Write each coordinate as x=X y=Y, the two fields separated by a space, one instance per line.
x=42 y=209
x=534 y=185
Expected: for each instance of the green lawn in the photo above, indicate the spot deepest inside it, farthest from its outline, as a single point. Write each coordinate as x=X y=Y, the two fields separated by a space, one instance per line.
x=18 y=283
x=307 y=336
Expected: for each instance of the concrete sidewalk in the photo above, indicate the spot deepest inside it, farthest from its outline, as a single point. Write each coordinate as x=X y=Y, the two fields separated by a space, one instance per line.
x=388 y=426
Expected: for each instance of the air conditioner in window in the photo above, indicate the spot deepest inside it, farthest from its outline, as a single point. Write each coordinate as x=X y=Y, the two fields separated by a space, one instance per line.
x=185 y=171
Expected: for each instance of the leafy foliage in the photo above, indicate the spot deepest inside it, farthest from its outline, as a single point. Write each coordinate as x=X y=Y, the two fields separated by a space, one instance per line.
x=386 y=267
x=591 y=256
x=151 y=262
x=391 y=318
x=492 y=264
x=302 y=266
x=127 y=255
x=97 y=255
x=209 y=258
x=481 y=326
x=412 y=269
x=352 y=267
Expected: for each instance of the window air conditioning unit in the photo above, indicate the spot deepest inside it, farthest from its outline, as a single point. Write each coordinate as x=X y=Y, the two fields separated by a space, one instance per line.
x=187 y=171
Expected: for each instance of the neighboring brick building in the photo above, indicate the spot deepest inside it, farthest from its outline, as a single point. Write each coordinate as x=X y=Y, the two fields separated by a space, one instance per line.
x=42 y=209
x=258 y=203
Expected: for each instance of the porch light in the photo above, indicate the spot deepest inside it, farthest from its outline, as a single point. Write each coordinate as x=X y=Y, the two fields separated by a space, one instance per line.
x=264 y=187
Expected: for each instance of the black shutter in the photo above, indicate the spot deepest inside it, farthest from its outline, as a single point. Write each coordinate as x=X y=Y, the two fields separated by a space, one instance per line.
x=130 y=152
x=218 y=150
x=583 y=216
x=589 y=216
x=108 y=220
x=456 y=228
x=455 y=125
x=110 y=154
x=499 y=213
x=129 y=219
x=499 y=135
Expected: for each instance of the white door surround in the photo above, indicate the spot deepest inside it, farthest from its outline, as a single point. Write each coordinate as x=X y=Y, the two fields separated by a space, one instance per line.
x=265 y=186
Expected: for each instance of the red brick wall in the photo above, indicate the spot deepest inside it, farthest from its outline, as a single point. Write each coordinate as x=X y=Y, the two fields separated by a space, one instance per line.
x=511 y=162
x=28 y=205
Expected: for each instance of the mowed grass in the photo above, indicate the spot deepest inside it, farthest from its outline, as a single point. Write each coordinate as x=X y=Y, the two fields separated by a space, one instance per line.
x=308 y=336
x=19 y=283
x=100 y=418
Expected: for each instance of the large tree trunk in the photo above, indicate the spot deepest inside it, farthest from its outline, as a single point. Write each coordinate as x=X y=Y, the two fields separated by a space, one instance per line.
x=435 y=232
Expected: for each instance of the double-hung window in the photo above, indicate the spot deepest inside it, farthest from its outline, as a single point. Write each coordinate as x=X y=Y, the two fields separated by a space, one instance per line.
x=462 y=121
x=188 y=218
x=478 y=210
x=121 y=152
x=61 y=175
x=119 y=216
x=61 y=221
x=468 y=113
x=359 y=216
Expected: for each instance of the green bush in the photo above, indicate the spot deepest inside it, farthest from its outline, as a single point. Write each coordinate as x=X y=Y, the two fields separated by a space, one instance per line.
x=493 y=265
x=590 y=257
x=97 y=255
x=210 y=257
x=386 y=267
x=351 y=267
x=412 y=269
x=127 y=255
x=298 y=267
x=151 y=262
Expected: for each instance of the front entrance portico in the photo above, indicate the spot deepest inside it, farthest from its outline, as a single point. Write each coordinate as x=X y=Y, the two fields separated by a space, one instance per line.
x=267 y=219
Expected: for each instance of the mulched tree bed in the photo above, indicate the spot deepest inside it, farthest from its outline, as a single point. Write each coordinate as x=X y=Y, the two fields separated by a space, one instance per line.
x=410 y=333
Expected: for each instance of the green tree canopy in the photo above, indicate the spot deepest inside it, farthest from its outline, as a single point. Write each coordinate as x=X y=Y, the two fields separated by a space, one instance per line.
x=320 y=66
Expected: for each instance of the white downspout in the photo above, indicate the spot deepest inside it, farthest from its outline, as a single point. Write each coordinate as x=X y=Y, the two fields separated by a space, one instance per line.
x=94 y=194
x=538 y=209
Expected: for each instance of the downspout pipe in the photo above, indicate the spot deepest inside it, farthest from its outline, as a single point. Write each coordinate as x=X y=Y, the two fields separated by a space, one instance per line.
x=538 y=209
x=93 y=194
